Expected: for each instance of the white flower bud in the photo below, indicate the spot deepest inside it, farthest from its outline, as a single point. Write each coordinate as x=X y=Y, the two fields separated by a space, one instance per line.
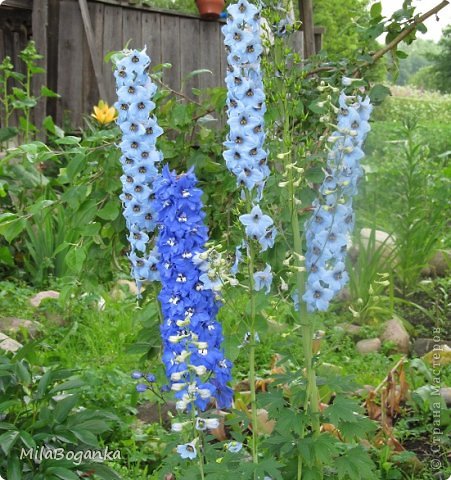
x=212 y=423
x=177 y=387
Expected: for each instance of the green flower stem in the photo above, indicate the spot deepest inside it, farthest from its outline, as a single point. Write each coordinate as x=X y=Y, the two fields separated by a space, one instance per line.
x=27 y=110
x=198 y=435
x=311 y=404
x=252 y=332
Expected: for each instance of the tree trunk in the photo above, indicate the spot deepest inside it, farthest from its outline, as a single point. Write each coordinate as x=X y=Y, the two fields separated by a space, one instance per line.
x=306 y=9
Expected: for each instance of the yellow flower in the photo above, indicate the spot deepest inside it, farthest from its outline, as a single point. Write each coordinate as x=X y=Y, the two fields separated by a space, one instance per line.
x=103 y=113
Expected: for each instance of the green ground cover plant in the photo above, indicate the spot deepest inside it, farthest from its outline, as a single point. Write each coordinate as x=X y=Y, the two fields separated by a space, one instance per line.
x=308 y=404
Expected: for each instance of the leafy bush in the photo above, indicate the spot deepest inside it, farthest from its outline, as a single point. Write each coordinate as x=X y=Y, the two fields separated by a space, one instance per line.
x=41 y=410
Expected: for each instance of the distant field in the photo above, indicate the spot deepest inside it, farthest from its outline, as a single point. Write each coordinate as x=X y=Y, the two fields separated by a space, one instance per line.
x=430 y=110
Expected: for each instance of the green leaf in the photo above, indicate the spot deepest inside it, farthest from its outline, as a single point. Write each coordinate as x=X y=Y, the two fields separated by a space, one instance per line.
x=11 y=226
x=24 y=104
x=421 y=27
x=75 y=166
x=22 y=373
x=379 y=93
x=343 y=409
x=315 y=174
x=27 y=439
x=75 y=259
x=49 y=125
x=40 y=205
x=69 y=140
x=69 y=385
x=64 y=407
x=355 y=464
x=198 y=72
x=14 y=470
x=94 y=426
x=109 y=212
x=376 y=10
x=85 y=436
x=401 y=54
x=46 y=92
x=8 y=439
x=63 y=473
x=102 y=471
x=5 y=257
x=7 y=132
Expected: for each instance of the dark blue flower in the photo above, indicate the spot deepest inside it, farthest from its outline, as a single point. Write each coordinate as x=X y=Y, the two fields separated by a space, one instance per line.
x=192 y=338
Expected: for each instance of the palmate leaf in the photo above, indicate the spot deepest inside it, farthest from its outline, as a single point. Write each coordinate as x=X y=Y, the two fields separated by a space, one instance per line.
x=343 y=409
x=355 y=464
x=355 y=430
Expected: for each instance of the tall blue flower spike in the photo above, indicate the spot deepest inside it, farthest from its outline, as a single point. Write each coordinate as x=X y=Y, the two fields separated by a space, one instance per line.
x=192 y=338
x=139 y=159
x=332 y=220
x=245 y=155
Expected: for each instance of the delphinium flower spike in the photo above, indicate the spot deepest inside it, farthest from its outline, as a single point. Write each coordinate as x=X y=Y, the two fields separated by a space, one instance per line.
x=245 y=155
x=139 y=159
x=192 y=338
x=332 y=220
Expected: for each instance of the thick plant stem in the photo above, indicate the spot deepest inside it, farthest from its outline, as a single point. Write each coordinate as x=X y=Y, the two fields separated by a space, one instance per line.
x=311 y=404
x=252 y=377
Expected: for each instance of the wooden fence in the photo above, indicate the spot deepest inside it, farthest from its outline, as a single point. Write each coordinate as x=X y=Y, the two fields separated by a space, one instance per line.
x=62 y=35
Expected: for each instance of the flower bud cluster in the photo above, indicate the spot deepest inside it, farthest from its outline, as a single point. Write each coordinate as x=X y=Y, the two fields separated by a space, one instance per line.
x=192 y=338
x=332 y=220
x=245 y=155
x=139 y=159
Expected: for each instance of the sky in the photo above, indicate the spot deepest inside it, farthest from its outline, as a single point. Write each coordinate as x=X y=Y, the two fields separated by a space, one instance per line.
x=434 y=28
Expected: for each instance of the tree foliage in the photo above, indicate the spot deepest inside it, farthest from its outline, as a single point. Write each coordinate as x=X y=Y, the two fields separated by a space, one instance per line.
x=420 y=55
x=442 y=62
x=340 y=17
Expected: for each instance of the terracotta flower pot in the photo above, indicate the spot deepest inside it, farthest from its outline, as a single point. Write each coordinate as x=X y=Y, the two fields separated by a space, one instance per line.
x=210 y=9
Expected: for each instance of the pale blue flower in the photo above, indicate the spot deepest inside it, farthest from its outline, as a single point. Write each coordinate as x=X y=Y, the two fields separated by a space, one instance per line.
x=263 y=279
x=234 y=447
x=187 y=450
x=256 y=223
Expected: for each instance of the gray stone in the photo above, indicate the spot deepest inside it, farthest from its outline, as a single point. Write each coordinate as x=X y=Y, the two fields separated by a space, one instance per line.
x=421 y=346
x=7 y=344
x=369 y=345
x=350 y=329
x=395 y=332
x=445 y=392
x=39 y=297
x=439 y=265
x=14 y=325
x=344 y=295
x=382 y=240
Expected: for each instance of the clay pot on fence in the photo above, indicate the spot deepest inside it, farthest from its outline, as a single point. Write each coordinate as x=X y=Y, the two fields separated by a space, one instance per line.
x=210 y=9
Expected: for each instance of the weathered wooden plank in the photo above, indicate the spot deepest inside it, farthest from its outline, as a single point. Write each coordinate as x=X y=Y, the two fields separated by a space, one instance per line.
x=40 y=20
x=112 y=41
x=151 y=35
x=53 y=55
x=296 y=41
x=70 y=61
x=91 y=92
x=210 y=50
x=93 y=53
x=131 y=28
x=170 y=50
x=189 y=52
x=222 y=59
x=2 y=44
